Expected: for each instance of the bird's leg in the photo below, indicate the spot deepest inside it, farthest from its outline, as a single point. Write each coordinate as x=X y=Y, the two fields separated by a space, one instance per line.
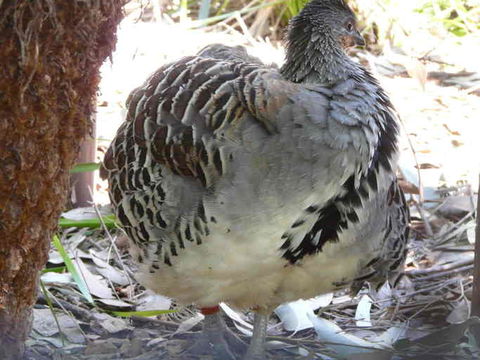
x=256 y=350
x=216 y=338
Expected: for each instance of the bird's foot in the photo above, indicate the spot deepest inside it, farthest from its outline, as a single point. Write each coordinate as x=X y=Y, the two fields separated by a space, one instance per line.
x=256 y=350
x=262 y=355
x=223 y=345
x=216 y=341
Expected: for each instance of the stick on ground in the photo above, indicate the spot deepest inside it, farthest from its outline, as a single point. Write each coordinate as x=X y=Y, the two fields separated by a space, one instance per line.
x=476 y=270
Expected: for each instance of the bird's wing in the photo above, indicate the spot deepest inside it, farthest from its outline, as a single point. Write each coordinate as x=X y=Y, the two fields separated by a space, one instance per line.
x=186 y=111
x=175 y=145
x=223 y=52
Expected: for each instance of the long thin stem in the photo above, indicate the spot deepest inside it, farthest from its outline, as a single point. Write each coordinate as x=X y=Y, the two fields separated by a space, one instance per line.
x=476 y=270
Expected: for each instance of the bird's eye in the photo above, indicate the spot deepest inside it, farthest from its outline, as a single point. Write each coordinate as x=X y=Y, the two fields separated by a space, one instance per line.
x=349 y=27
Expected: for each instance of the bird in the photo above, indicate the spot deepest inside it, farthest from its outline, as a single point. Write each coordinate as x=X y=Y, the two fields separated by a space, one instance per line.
x=245 y=183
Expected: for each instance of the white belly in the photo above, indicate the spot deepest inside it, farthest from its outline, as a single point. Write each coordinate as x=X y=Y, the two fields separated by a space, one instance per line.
x=246 y=268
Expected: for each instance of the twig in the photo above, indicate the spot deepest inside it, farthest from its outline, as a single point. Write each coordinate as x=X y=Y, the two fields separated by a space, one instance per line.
x=78 y=312
x=440 y=268
x=142 y=321
x=427 y=289
x=244 y=28
x=450 y=272
x=50 y=305
x=415 y=158
x=452 y=231
x=421 y=197
x=425 y=307
x=112 y=242
x=428 y=227
x=476 y=271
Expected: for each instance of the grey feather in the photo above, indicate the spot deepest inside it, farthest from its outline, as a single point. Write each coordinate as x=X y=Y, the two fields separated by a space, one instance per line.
x=286 y=169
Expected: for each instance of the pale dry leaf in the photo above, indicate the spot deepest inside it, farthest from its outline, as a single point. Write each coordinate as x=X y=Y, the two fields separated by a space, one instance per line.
x=320 y=301
x=471 y=234
x=345 y=345
x=72 y=242
x=54 y=257
x=188 y=324
x=101 y=347
x=417 y=70
x=383 y=297
x=96 y=284
x=54 y=341
x=341 y=299
x=362 y=313
x=294 y=315
x=85 y=213
x=234 y=315
x=80 y=214
x=155 y=341
x=392 y=335
x=456 y=207
x=460 y=313
x=52 y=278
x=111 y=324
x=151 y=301
x=44 y=322
x=116 y=303
x=108 y=271
x=243 y=326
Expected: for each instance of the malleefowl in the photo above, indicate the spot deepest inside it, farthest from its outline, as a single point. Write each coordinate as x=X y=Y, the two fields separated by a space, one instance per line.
x=241 y=183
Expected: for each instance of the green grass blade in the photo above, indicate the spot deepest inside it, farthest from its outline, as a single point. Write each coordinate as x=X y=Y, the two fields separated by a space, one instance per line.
x=85 y=167
x=82 y=286
x=57 y=269
x=146 y=313
x=222 y=7
x=50 y=305
x=109 y=221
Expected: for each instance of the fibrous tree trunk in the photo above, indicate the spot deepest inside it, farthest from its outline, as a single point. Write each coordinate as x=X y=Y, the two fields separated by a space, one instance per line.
x=50 y=54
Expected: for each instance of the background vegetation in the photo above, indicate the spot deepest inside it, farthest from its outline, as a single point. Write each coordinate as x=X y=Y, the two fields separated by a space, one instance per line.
x=455 y=17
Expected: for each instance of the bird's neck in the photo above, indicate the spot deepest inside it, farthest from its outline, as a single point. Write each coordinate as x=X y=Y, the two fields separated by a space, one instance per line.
x=317 y=61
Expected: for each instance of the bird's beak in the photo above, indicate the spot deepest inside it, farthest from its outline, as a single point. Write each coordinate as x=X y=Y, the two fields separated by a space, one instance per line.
x=358 y=38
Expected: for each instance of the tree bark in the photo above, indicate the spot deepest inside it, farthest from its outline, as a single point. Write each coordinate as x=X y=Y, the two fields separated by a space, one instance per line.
x=50 y=54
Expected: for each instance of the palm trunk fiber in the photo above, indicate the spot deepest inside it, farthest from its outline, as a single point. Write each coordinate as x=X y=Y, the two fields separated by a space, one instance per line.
x=50 y=54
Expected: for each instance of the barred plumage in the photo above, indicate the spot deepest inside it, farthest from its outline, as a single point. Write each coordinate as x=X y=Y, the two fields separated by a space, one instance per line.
x=243 y=183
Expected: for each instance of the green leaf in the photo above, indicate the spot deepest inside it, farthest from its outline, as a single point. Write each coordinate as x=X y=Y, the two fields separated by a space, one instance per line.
x=295 y=6
x=147 y=313
x=57 y=269
x=108 y=220
x=85 y=167
x=82 y=286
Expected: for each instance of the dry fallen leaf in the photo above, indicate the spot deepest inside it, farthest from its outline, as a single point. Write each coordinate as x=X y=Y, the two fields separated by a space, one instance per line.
x=362 y=313
x=96 y=284
x=460 y=313
x=456 y=207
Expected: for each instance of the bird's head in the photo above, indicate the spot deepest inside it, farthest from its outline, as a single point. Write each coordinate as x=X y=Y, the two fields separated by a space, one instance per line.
x=330 y=21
